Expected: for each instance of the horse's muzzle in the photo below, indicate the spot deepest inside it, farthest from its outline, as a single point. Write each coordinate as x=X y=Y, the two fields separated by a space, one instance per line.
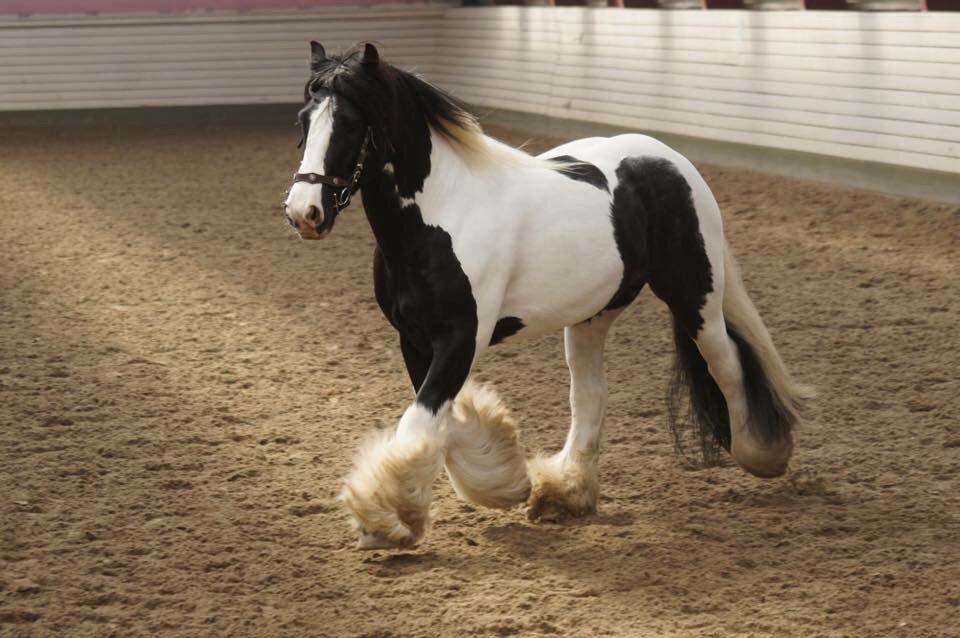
x=309 y=225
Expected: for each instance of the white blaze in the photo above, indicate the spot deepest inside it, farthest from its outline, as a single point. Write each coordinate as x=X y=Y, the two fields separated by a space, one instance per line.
x=303 y=195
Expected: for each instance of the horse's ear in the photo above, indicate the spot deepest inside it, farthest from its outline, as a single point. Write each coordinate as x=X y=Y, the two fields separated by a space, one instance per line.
x=317 y=55
x=371 y=57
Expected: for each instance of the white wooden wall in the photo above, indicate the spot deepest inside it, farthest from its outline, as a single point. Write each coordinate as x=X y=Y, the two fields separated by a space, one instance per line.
x=879 y=87
x=51 y=62
x=869 y=86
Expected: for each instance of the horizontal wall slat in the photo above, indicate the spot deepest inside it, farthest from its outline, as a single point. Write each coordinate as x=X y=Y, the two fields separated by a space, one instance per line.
x=714 y=33
x=655 y=81
x=923 y=133
x=708 y=41
x=548 y=62
x=132 y=36
x=630 y=122
x=888 y=69
x=880 y=21
x=122 y=101
x=787 y=96
x=603 y=103
x=230 y=17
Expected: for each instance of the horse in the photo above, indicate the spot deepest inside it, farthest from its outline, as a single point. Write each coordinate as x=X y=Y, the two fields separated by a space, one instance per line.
x=479 y=244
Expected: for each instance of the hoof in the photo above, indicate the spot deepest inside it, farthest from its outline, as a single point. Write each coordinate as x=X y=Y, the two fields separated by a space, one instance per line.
x=546 y=509
x=372 y=541
x=388 y=491
x=763 y=461
x=560 y=488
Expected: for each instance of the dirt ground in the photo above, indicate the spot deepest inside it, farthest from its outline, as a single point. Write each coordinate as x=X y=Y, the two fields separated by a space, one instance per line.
x=183 y=383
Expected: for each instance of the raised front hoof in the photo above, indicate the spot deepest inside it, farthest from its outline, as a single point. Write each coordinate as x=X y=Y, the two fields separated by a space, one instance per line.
x=763 y=461
x=560 y=490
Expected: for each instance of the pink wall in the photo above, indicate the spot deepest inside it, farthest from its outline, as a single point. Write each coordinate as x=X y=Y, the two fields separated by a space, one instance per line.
x=106 y=6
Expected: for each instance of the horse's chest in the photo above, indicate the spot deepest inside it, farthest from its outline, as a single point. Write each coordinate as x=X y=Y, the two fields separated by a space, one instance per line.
x=423 y=290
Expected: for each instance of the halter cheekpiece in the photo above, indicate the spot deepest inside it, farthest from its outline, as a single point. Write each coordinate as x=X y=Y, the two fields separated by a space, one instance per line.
x=342 y=199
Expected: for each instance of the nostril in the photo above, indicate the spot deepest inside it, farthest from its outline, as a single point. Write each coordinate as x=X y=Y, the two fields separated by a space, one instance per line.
x=289 y=220
x=313 y=214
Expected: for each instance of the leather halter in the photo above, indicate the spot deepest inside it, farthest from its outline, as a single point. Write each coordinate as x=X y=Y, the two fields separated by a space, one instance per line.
x=342 y=199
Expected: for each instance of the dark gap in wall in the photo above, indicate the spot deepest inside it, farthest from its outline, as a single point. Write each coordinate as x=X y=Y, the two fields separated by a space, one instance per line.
x=724 y=4
x=826 y=5
x=943 y=5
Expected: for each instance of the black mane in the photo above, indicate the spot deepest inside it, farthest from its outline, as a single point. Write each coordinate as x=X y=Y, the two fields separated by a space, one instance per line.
x=395 y=103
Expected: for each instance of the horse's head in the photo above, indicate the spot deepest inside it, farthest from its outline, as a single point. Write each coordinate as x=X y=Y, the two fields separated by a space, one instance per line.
x=342 y=100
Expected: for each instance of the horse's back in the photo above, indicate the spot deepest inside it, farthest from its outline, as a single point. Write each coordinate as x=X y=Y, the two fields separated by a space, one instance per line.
x=608 y=153
x=624 y=157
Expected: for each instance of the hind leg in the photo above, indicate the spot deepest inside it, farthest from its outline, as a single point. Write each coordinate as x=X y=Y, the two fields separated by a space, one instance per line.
x=566 y=483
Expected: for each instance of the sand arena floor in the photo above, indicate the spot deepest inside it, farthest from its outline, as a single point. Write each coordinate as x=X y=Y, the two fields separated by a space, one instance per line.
x=183 y=383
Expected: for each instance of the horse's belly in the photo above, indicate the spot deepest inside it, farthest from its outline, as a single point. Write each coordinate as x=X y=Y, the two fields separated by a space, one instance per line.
x=566 y=271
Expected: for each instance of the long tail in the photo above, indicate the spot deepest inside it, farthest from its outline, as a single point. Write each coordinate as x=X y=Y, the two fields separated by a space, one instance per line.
x=776 y=403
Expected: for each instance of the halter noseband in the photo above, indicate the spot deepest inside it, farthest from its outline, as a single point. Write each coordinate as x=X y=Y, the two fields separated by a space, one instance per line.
x=342 y=199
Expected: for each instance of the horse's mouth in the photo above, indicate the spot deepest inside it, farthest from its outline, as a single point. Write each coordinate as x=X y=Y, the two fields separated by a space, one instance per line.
x=313 y=234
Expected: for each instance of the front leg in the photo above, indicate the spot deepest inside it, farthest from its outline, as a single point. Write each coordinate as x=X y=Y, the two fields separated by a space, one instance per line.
x=416 y=361
x=388 y=492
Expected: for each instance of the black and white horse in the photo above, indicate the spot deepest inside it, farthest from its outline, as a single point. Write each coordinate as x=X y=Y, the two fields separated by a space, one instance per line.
x=479 y=243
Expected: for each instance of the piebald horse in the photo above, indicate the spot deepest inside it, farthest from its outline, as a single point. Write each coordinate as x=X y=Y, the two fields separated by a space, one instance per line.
x=479 y=243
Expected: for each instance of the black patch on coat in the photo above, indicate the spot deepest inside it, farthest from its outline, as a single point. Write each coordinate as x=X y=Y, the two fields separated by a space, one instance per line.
x=424 y=293
x=506 y=327
x=416 y=361
x=582 y=172
x=658 y=236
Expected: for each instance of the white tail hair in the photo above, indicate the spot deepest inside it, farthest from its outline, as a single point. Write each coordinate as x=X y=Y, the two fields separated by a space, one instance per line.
x=741 y=315
x=484 y=458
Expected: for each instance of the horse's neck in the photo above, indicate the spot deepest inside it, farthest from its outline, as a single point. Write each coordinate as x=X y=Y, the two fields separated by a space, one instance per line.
x=452 y=185
x=455 y=182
